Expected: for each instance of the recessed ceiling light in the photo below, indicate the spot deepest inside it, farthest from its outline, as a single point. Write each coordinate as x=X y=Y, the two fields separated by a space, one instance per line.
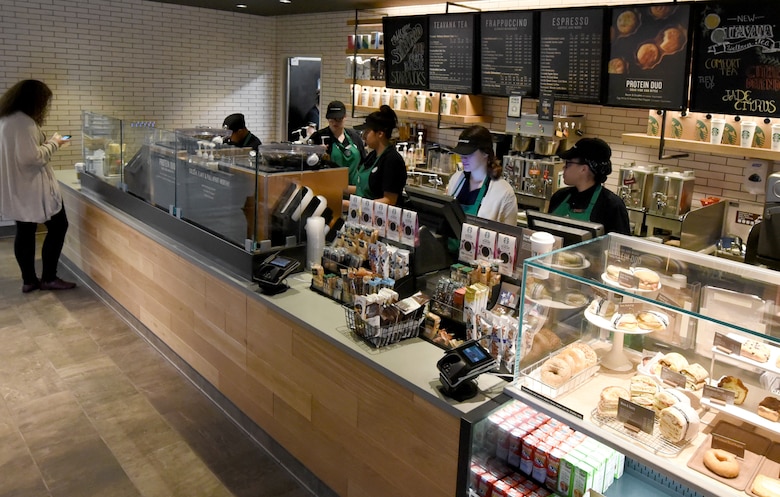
x=241 y=6
x=285 y=1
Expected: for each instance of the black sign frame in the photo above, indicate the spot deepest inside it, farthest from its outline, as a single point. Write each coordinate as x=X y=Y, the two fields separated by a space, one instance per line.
x=532 y=16
x=729 y=39
x=406 y=52
x=651 y=29
x=443 y=25
x=599 y=12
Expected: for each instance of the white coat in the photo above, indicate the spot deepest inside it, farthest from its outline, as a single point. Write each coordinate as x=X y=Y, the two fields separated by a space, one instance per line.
x=29 y=191
x=498 y=204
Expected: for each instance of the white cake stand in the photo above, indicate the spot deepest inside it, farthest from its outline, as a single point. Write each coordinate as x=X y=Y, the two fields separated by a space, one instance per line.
x=616 y=359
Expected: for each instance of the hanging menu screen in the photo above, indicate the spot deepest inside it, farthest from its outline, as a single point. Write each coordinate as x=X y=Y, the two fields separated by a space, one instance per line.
x=452 y=53
x=571 y=52
x=508 y=53
x=736 y=64
x=649 y=56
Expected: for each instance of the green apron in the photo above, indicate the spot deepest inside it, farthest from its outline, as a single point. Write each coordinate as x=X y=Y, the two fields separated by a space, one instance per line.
x=564 y=209
x=347 y=156
x=453 y=244
x=361 y=184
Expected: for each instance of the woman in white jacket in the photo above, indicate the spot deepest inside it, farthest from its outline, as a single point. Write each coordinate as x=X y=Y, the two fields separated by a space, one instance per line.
x=29 y=193
x=479 y=188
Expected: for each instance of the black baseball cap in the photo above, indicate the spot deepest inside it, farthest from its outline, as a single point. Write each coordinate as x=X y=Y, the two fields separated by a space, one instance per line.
x=234 y=122
x=473 y=139
x=593 y=149
x=594 y=152
x=336 y=110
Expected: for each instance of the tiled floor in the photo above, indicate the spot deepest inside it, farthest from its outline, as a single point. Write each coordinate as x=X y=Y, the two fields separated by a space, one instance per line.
x=89 y=408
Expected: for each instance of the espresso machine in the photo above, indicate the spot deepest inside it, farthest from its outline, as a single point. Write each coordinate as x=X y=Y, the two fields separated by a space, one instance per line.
x=536 y=175
x=670 y=200
x=635 y=187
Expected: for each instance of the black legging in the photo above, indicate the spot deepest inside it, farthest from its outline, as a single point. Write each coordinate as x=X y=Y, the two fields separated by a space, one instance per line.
x=24 y=247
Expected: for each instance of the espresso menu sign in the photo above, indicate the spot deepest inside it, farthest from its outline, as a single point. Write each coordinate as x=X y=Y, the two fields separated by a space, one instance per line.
x=452 y=59
x=648 y=56
x=406 y=52
x=570 y=53
x=508 y=53
x=736 y=62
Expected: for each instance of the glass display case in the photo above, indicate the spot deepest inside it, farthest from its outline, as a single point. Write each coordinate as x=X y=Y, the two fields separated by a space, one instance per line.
x=668 y=356
x=255 y=200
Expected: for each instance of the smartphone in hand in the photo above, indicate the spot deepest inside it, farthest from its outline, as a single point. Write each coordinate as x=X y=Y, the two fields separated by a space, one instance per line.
x=65 y=137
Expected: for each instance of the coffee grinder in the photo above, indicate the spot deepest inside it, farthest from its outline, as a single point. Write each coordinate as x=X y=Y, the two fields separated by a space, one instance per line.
x=635 y=187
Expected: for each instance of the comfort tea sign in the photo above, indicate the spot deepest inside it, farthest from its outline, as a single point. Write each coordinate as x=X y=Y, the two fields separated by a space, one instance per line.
x=736 y=67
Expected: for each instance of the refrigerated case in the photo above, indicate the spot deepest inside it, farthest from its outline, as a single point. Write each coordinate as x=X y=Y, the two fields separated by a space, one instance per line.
x=726 y=307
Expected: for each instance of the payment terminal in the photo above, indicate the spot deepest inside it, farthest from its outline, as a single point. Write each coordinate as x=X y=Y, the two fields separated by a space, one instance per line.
x=272 y=272
x=461 y=365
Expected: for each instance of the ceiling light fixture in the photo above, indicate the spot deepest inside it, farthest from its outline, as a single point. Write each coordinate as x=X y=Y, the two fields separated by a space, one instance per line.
x=241 y=6
x=285 y=1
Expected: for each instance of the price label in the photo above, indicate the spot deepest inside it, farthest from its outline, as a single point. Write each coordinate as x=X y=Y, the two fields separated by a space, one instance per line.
x=635 y=415
x=627 y=279
x=729 y=444
x=672 y=377
x=718 y=395
x=726 y=345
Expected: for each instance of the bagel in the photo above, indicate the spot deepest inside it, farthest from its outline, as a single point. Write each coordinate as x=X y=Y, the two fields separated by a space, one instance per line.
x=721 y=462
x=575 y=358
x=591 y=358
x=555 y=372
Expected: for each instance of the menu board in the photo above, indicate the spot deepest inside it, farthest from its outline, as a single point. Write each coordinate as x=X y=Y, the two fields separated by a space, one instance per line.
x=736 y=62
x=648 y=56
x=452 y=47
x=406 y=52
x=570 y=53
x=508 y=53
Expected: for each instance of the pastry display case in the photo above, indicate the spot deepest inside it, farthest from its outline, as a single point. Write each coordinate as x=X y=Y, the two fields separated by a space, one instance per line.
x=677 y=368
x=252 y=201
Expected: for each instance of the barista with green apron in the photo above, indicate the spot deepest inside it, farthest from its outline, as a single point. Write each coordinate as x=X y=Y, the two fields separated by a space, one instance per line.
x=587 y=166
x=382 y=174
x=345 y=146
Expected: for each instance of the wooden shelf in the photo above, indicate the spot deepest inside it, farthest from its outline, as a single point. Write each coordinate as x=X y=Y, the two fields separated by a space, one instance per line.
x=365 y=51
x=365 y=22
x=367 y=82
x=644 y=140
x=431 y=116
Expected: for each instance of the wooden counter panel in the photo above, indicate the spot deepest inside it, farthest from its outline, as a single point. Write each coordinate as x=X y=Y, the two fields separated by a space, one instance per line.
x=360 y=431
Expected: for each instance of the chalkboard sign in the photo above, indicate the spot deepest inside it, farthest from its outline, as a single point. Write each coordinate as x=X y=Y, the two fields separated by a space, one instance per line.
x=736 y=62
x=571 y=53
x=508 y=53
x=649 y=53
x=406 y=52
x=452 y=53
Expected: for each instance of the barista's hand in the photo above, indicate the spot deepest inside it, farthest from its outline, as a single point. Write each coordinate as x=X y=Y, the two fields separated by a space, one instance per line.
x=59 y=140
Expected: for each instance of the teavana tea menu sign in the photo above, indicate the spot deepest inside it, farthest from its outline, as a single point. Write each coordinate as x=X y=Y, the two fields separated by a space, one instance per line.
x=736 y=62
x=452 y=52
x=648 y=56
x=508 y=53
x=406 y=52
x=570 y=53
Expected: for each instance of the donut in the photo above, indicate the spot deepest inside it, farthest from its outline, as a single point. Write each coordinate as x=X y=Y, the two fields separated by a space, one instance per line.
x=555 y=372
x=721 y=462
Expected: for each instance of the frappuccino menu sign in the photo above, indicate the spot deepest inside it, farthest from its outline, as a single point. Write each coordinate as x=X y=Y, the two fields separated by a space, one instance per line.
x=508 y=53
x=649 y=56
x=736 y=63
x=406 y=52
x=570 y=53
x=452 y=48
